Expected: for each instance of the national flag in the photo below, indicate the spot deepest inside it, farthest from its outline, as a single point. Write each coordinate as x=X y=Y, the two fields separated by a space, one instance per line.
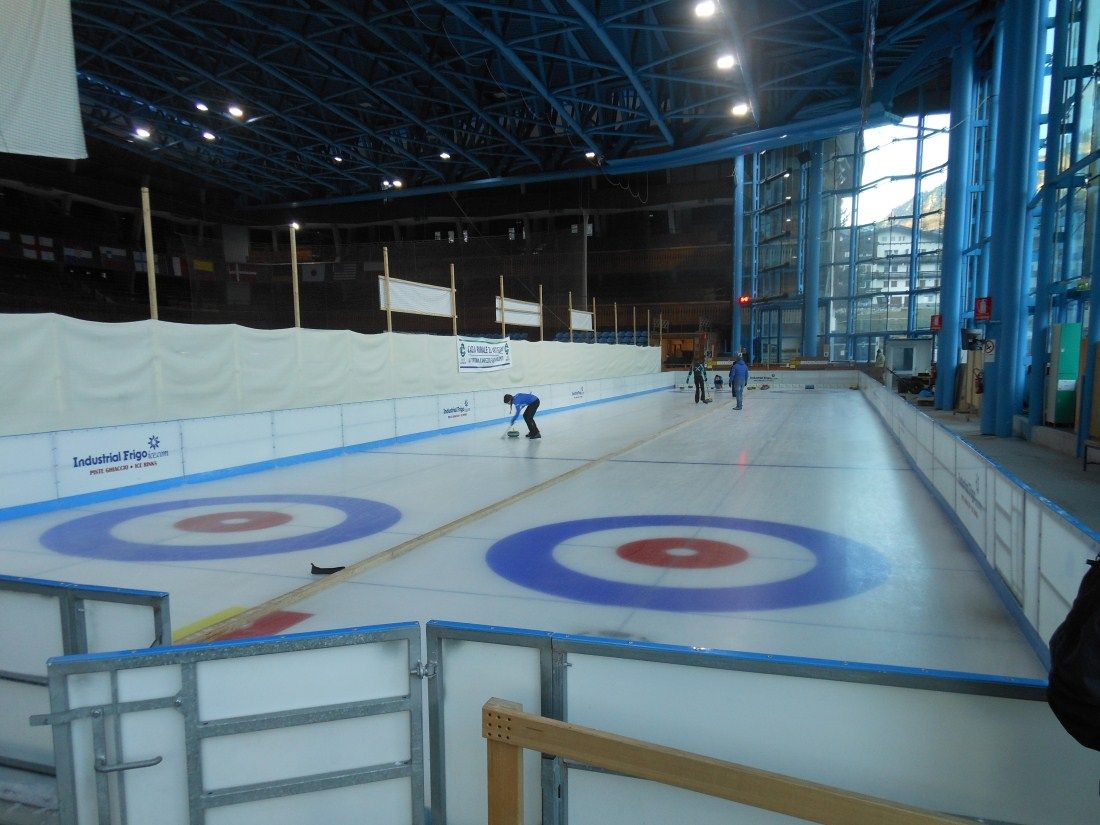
x=345 y=271
x=179 y=267
x=37 y=248
x=205 y=269
x=313 y=272
x=7 y=246
x=113 y=257
x=76 y=254
x=242 y=274
x=139 y=262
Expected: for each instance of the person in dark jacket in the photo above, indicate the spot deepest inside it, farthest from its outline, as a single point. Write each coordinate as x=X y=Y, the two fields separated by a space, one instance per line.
x=699 y=372
x=739 y=377
x=529 y=404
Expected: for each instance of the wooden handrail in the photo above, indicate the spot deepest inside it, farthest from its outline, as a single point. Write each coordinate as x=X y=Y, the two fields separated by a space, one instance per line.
x=508 y=731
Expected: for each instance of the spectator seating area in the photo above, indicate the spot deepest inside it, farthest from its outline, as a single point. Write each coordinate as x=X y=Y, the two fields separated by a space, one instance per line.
x=606 y=337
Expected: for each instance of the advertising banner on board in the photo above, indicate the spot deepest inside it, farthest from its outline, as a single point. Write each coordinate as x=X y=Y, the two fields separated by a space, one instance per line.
x=102 y=459
x=484 y=354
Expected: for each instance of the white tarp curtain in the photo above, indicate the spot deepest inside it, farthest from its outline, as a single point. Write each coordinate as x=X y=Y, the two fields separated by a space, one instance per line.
x=39 y=107
x=420 y=299
x=580 y=320
x=61 y=373
x=519 y=313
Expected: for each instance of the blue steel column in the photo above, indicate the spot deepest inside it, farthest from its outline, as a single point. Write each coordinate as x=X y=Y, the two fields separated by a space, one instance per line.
x=1004 y=382
x=981 y=287
x=738 y=250
x=1040 y=328
x=956 y=220
x=1090 y=378
x=812 y=278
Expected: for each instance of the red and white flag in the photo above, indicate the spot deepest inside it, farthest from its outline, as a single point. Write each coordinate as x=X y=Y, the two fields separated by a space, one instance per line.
x=242 y=274
x=113 y=257
x=76 y=254
x=37 y=248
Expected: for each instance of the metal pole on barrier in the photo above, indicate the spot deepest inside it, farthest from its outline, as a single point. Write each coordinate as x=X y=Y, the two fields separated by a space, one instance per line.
x=634 y=325
x=150 y=259
x=454 y=304
x=648 y=328
x=593 y=319
x=503 y=327
x=616 y=311
x=386 y=277
x=542 y=335
x=570 y=317
x=294 y=273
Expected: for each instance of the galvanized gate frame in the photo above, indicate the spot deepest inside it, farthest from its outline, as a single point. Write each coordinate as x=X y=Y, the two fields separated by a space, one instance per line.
x=111 y=763
x=74 y=632
x=551 y=684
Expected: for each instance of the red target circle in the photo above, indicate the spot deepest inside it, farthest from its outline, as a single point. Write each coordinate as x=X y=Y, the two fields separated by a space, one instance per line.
x=235 y=521
x=679 y=552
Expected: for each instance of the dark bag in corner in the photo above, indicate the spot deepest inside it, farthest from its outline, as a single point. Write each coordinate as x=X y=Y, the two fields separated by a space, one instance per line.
x=1074 y=689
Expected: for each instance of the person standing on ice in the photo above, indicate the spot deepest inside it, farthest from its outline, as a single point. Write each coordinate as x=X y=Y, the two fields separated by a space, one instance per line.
x=529 y=404
x=739 y=377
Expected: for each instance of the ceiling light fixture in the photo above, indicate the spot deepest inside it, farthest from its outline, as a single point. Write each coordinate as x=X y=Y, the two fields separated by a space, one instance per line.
x=208 y=135
x=294 y=226
x=740 y=109
x=707 y=8
x=590 y=155
x=337 y=158
x=397 y=184
x=445 y=155
x=236 y=111
x=142 y=132
x=726 y=61
x=202 y=107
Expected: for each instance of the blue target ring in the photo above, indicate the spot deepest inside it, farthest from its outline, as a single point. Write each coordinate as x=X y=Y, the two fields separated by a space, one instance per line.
x=91 y=536
x=844 y=567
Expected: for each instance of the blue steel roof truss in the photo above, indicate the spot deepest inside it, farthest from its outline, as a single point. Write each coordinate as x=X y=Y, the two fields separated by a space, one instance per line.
x=505 y=89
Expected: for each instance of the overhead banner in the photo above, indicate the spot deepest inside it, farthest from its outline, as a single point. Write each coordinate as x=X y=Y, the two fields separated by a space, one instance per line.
x=484 y=354
x=39 y=102
x=419 y=299
x=519 y=313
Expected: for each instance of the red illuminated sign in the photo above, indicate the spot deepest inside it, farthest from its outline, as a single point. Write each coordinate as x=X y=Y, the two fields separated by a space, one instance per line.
x=937 y=323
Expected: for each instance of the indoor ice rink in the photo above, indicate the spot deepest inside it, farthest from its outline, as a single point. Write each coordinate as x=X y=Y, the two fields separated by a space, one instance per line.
x=795 y=301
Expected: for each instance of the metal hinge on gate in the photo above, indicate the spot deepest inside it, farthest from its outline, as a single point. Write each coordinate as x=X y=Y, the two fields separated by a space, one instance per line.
x=424 y=670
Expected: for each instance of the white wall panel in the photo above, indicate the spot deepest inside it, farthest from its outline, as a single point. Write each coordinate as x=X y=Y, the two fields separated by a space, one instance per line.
x=311 y=430
x=962 y=753
x=26 y=469
x=415 y=415
x=30 y=631
x=19 y=740
x=473 y=673
x=1063 y=553
x=284 y=681
x=117 y=626
x=284 y=753
x=229 y=441
x=367 y=422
